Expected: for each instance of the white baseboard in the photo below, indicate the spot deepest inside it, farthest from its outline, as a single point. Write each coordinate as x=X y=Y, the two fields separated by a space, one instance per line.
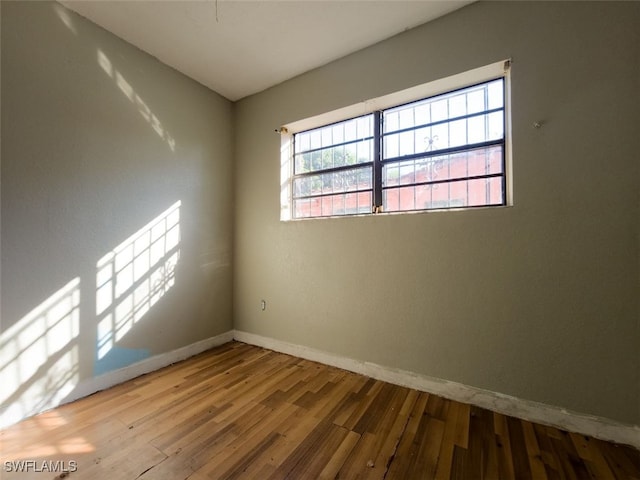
x=597 y=427
x=147 y=365
x=115 y=377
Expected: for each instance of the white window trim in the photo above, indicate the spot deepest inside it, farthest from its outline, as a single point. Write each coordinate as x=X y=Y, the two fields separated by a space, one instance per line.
x=436 y=87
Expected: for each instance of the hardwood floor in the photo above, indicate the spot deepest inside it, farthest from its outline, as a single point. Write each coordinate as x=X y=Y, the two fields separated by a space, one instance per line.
x=244 y=412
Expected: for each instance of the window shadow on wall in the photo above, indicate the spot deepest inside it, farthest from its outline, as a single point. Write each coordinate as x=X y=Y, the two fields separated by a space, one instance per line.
x=130 y=280
x=39 y=356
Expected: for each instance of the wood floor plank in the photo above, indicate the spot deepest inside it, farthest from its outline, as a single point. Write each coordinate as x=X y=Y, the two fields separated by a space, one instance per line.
x=477 y=446
x=335 y=462
x=244 y=412
x=462 y=426
x=503 y=442
x=380 y=428
x=361 y=459
x=299 y=445
x=536 y=464
x=318 y=452
x=224 y=461
x=443 y=471
x=490 y=466
x=572 y=462
x=599 y=464
x=362 y=405
x=391 y=429
x=407 y=451
x=548 y=456
x=521 y=465
x=430 y=444
x=624 y=461
x=459 y=466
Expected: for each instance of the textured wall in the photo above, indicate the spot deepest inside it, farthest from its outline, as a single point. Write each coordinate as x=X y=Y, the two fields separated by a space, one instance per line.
x=539 y=300
x=98 y=140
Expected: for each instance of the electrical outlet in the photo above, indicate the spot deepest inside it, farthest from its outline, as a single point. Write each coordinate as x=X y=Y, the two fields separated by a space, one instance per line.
x=263 y=305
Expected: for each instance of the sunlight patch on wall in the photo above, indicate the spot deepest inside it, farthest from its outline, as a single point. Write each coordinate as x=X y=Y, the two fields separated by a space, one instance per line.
x=39 y=356
x=128 y=91
x=286 y=170
x=134 y=276
x=65 y=17
x=124 y=87
x=105 y=63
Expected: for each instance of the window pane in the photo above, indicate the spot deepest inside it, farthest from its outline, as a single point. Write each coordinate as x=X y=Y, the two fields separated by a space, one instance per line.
x=407 y=143
x=364 y=201
x=316 y=160
x=457 y=105
x=338 y=133
x=457 y=133
x=462 y=193
x=480 y=161
x=327 y=136
x=448 y=106
x=332 y=205
x=315 y=138
x=391 y=122
x=365 y=126
x=333 y=182
x=302 y=208
x=391 y=146
x=327 y=158
x=406 y=118
x=484 y=161
x=476 y=100
x=423 y=114
x=476 y=128
x=364 y=151
x=496 y=126
x=350 y=132
x=439 y=110
x=360 y=152
x=344 y=143
x=339 y=156
x=495 y=91
x=302 y=142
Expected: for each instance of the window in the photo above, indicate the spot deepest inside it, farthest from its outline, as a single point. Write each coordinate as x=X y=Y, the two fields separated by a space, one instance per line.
x=443 y=151
x=333 y=169
x=446 y=151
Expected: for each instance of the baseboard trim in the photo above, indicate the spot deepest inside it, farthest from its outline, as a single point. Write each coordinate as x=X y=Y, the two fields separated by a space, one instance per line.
x=147 y=365
x=602 y=428
x=115 y=377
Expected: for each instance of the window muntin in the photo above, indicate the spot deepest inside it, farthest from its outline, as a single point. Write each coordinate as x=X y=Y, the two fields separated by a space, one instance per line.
x=333 y=205
x=332 y=169
x=445 y=151
x=333 y=146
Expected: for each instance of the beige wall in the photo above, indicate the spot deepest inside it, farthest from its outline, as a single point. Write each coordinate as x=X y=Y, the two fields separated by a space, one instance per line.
x=539 y=300
x=87 y=161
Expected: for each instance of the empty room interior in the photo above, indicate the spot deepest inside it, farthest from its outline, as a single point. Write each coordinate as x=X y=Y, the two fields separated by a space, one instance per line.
x=341 y=239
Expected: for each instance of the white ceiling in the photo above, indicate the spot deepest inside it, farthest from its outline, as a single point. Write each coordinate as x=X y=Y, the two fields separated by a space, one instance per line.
x=240 y=47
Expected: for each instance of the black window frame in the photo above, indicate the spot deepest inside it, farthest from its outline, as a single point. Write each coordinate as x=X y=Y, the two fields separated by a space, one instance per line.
x=379 y=160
